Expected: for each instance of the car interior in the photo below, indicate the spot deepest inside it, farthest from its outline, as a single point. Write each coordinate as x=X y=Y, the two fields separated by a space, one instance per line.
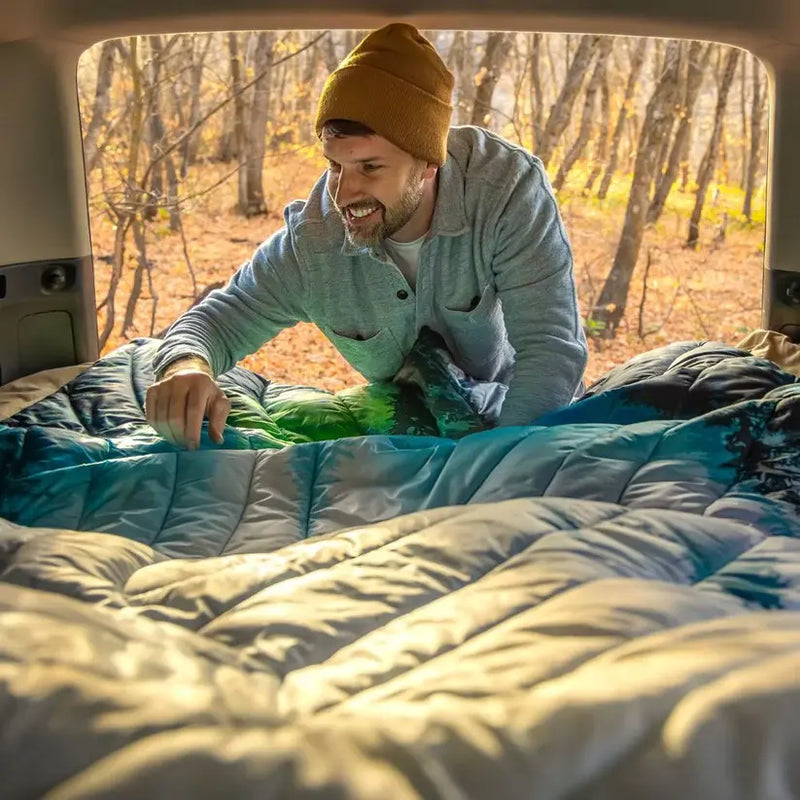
x=600 y=605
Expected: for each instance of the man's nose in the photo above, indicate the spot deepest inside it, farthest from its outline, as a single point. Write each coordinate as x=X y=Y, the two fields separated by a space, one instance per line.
x=348 y=189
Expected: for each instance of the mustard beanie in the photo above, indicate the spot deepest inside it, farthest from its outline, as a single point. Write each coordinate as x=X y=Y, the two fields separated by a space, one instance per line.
x=395 y=83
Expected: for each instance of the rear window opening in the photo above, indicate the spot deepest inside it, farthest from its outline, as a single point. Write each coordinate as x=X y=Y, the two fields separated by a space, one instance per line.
x=195 y=142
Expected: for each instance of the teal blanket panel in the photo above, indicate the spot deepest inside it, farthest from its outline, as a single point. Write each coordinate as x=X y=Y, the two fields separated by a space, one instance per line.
x=696 y=428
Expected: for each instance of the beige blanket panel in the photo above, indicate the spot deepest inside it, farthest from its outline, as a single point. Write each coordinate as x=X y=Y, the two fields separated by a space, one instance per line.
x=773 y=346
x=26 y=391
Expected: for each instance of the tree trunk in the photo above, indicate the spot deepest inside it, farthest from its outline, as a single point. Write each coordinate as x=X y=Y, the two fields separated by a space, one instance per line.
x=257 y=135
x=157 y=135
x=158 y=196
x=537 y=97
x=329 y=53
x=239 y=142
x=303 y=103
x=706 y=171
x=520 y=73
x=637 y=61
x=605 y=317
x=601 y=145
x=138 y=275
x=559 y=116
x=551 y=62
x=587 y=116
x=633 y=130
x=191 y=145
x=567 y=51
x=460 y=62
x=756 y=114
x=498 y=46
x=743 y=110
x=455 y=63
x=101 y=106
x=658 y=60
x=180 y=96
x=698 y=61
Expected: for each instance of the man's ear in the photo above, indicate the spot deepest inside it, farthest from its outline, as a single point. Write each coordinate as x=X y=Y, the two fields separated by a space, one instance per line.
x=430 y=172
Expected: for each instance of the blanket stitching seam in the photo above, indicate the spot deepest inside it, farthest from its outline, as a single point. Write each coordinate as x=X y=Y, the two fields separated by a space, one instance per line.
x=311 y=491
x=161 y=529
x=245 y=504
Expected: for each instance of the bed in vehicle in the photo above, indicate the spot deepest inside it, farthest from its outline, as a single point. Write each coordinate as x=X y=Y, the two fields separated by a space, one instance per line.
x=392 y=602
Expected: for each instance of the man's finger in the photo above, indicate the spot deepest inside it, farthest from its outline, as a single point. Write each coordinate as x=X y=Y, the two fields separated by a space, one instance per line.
x=217 y=414
x=196 y=403
x=176 y=416
x=159 y=417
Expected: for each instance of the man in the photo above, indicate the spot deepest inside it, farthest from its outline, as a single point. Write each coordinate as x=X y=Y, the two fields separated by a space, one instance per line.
x=414 y=224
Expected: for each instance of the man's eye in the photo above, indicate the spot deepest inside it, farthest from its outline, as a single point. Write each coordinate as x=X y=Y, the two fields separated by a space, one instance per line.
x=371 y=167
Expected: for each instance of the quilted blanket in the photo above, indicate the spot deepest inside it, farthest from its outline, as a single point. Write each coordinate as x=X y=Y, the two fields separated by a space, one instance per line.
x=600 y=605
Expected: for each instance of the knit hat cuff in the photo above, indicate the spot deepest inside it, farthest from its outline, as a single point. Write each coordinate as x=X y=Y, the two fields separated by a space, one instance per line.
x=409 y=117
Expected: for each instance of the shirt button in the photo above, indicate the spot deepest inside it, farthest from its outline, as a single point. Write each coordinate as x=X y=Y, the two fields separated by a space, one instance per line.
x=402 y=294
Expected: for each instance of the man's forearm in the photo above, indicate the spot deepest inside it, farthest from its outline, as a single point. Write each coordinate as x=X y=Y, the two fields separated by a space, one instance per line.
x=186 y=362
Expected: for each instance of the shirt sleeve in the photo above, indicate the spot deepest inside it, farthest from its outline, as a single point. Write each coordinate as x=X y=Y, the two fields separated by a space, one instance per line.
x=265 y=295
x=534 y=277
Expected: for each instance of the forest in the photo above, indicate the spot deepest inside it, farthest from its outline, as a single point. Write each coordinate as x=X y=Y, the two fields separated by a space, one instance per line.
x=656 y=149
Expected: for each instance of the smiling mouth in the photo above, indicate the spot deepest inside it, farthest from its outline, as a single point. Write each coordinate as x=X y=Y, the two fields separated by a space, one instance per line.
x=363 y=215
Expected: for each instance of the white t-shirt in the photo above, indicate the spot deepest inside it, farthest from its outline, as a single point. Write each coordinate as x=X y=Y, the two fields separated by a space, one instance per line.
x=406 y=256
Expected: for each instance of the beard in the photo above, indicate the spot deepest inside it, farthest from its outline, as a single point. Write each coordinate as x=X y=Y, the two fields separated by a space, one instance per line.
x=391 y=219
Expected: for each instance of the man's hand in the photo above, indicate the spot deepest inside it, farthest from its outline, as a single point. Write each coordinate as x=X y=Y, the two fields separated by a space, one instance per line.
x=176 y=404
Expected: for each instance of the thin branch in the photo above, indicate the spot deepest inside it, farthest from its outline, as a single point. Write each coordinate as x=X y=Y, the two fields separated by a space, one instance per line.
x=696 y=310
x=186 y=256
x=640 y=327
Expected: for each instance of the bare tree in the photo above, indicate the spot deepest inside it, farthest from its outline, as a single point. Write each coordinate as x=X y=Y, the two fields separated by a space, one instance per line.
x=756 y=116
x=698 y=62
x=743 y=120
x=329 y=54
x=101 y=105
x=610 y=307
x=157 y=136
x=537 y=95
x=314 y=57
x=601 y=145
x=239 y=122
x=460 y=62
x=198 y=63
x=256 y=140
x=636 y=62
x=706 y=171
x=495 y=55
x=559 y=116
x=587 y=116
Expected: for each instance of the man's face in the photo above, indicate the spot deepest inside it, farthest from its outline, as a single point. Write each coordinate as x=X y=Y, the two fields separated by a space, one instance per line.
x=375 y=185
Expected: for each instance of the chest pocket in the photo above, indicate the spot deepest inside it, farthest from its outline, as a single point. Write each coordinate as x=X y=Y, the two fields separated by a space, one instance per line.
x=477 y=336
x=377 y=357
